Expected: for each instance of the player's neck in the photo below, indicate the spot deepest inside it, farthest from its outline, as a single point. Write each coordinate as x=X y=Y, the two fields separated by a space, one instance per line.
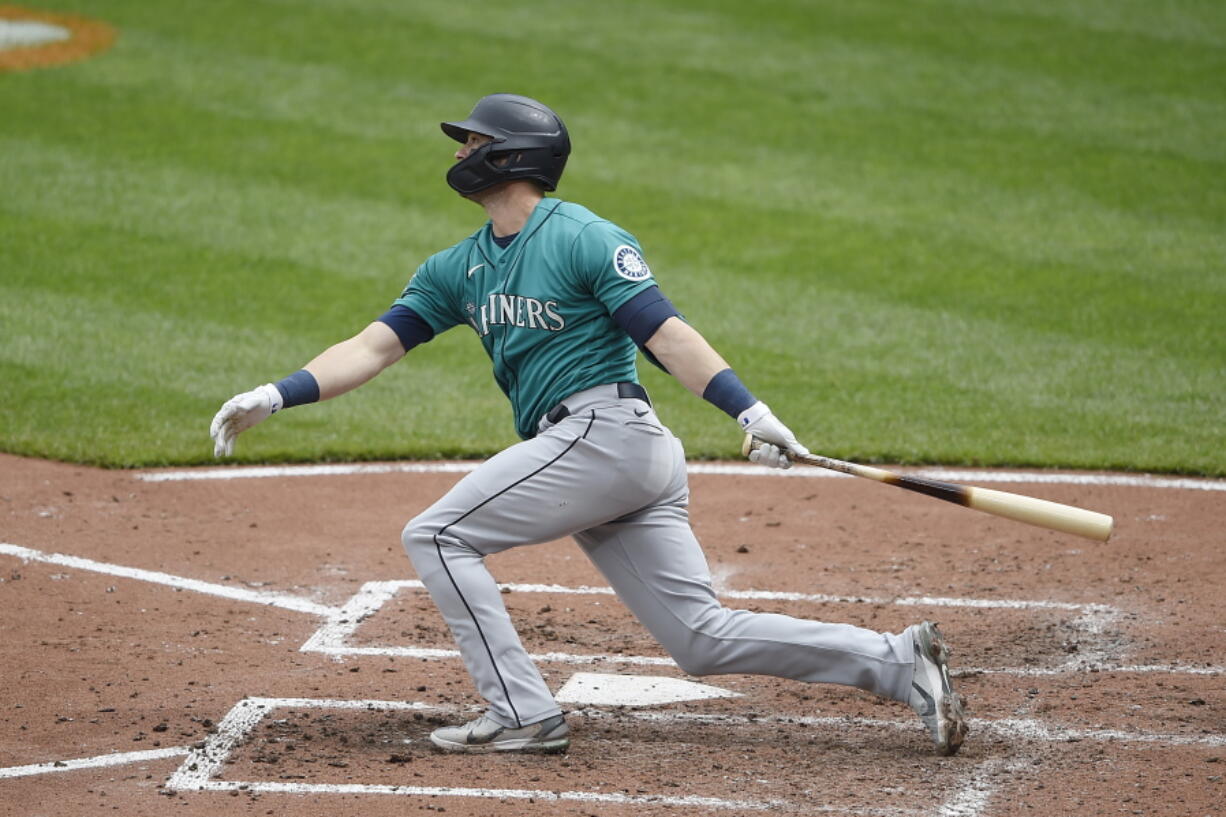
x=510 y=205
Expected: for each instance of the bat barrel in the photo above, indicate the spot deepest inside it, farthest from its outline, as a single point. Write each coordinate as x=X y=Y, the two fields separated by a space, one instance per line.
x=1053 y=515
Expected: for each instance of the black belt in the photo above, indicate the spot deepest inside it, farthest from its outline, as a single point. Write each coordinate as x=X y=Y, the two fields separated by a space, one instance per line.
x=625 y=391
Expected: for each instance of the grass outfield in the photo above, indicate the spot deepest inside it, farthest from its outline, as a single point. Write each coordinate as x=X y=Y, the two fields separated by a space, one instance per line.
x=946 y=231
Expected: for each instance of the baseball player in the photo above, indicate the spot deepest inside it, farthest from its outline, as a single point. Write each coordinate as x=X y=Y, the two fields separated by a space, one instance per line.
x=561 y=300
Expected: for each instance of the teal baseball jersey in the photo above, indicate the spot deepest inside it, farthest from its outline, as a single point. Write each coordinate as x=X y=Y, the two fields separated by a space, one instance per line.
x=542 y=306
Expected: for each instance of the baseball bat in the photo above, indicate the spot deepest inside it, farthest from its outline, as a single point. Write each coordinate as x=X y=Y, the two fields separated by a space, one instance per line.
x=1041 y=512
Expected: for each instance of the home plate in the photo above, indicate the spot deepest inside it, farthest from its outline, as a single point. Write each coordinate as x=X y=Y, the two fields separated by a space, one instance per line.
x=634 y=690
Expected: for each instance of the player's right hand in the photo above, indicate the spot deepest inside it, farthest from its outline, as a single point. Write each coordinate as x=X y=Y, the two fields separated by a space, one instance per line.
x=240 y=413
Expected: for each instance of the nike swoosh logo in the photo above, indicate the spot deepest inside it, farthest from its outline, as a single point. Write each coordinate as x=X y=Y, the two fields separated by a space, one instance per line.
x=638 y=413
x=471 y=270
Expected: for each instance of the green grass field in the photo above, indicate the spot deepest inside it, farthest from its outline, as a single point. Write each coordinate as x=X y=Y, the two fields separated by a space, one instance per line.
x=925 y=231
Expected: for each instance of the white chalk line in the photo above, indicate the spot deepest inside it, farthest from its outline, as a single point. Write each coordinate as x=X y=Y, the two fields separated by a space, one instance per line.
x=268 y=599
x=332 y=638
x=346 y=469
x=98 y=762
x=532 y=795
x=444 y=654
x=202 y=763
x=341 y=623
x=359 y=604
x=1028 y=729
x=323 y=470
x=344 y=621
x=196 y=771
x=616 y=659
x=971 y=797
x=1078 y=667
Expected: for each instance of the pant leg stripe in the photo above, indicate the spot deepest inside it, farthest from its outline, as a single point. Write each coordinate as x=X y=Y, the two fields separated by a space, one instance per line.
x=442 y=559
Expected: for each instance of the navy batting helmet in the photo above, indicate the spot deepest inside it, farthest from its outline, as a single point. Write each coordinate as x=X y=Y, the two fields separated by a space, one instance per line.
x=529 y=142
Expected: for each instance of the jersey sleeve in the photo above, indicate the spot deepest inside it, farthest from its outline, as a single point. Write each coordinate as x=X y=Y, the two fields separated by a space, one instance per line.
x=610 y=264
x=434 y=296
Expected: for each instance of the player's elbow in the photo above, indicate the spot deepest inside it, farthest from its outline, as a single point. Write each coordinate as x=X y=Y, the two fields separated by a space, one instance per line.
x=669 y=338
x=379 y=346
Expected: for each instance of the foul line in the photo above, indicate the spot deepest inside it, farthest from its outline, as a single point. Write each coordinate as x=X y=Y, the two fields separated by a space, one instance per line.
x=93 y=762
x=285 y=601
x=346 y=469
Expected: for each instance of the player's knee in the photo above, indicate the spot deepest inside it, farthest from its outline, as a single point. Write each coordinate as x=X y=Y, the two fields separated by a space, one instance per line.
x=693 y=662
x=417 y=538
x=691 y=654
x=422 y=539
x=418 y=541
x=698 y=646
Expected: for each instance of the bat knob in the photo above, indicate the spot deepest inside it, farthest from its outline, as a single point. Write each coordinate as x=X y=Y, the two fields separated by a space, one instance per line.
x=749 y=444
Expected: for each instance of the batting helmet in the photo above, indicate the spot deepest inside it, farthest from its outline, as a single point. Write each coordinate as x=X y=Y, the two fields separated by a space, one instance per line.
x=529 y=142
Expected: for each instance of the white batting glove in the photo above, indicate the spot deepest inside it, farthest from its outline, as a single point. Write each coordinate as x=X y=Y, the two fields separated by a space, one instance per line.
x=240 y=413
x=779 y=440
x=772 y=456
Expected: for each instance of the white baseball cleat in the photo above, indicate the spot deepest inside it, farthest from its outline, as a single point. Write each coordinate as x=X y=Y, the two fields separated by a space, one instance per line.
x=932 y=693
x=485 y=735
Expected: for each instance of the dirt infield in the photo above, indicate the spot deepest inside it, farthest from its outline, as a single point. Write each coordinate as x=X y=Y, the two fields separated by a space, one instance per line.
x=258 y=645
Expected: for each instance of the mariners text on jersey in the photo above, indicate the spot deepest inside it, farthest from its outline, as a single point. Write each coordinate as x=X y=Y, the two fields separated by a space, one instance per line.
x=542 y=305
x=515 y=310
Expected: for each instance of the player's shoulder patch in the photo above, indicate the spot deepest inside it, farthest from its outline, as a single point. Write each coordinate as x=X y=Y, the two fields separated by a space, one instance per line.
x=630 y=264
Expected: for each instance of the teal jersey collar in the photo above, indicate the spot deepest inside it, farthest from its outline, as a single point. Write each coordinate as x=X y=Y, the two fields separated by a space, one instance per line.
x=485 y=236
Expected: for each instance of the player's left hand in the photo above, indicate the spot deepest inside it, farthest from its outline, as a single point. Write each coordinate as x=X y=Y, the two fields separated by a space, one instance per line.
x=778 y=439
x=770 y=455
x=240 y=413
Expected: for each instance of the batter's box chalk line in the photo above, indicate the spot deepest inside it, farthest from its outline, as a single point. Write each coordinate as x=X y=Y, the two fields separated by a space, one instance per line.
x=1098 y=644
x=1013 y=730
x=203 y=761
x=1093 y=624
x=199 y=770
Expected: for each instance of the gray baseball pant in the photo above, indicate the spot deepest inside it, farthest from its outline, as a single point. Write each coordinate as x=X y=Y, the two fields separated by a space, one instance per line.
x=611 y=475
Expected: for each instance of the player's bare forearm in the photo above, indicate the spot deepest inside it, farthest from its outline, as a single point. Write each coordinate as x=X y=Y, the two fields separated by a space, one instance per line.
x=686 y=354
x=350 y=363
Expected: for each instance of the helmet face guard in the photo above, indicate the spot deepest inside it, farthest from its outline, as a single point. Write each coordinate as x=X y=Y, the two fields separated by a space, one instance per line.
x=475 y=172
x=529 y=142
